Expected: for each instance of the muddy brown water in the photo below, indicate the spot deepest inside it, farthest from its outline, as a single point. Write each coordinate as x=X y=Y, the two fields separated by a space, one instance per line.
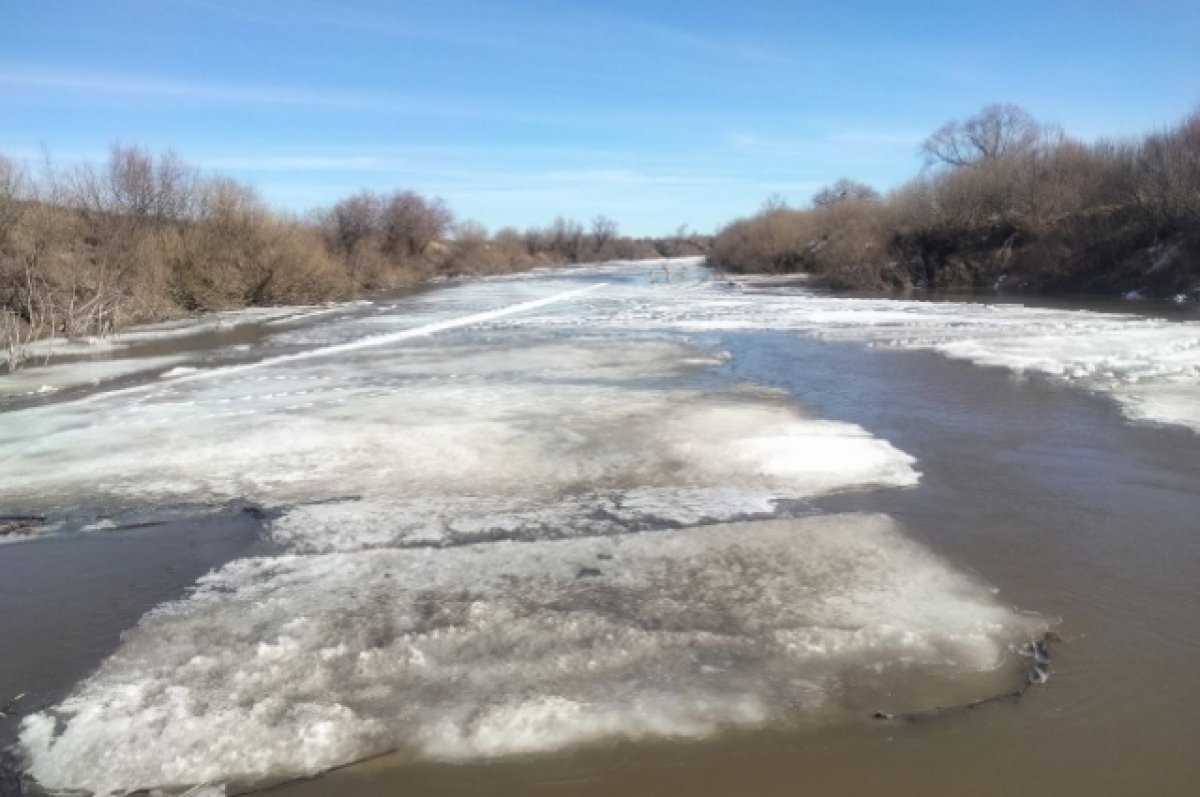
x=1044 y=491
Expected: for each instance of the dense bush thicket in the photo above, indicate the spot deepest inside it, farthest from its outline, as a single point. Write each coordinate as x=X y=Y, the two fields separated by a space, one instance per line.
x=1004 y=202
x=85 y=251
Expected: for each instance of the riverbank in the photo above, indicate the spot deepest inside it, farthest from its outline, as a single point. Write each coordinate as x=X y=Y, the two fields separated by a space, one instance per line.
x=87 y=252
x=1036 y=213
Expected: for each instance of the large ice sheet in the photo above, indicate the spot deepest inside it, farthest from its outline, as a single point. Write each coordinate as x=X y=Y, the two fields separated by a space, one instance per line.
x=294 y=664
x=400 y=424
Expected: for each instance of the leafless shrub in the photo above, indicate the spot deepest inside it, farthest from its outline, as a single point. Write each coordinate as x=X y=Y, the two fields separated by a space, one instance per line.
x=12 y=199
x=535 y=241
x=851 y=245
x=409 y=223
x=28 y=305
x=27 y=317
x=844 y=190
x=1015 y=200
x=239 y=252
x=510 y=245
x=604 y=230
x=354 y=221
x=566 y=239
x=472 y=253
x=773 y=242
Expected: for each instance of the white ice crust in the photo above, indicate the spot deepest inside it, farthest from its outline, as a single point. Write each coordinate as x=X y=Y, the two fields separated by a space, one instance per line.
x=37 y=380
x=176 y=328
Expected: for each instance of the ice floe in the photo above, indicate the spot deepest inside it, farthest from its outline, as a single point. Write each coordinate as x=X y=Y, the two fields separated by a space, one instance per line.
x=293 y=664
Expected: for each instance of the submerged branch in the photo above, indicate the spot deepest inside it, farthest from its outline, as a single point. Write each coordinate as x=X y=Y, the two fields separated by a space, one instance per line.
x=1037 y=673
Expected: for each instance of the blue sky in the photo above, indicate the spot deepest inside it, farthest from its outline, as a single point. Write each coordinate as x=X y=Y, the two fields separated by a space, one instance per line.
x=656 y=114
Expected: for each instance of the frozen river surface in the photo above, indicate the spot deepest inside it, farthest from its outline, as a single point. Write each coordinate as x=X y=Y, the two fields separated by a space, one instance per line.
x=625 y=504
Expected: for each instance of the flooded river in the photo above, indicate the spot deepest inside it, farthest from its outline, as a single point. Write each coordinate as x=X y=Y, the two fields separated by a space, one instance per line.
x=620 y=530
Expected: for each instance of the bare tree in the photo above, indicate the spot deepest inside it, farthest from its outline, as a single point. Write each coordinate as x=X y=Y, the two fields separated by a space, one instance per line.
x=566 y=238
x=844 y=190
x=131 y=182
x=354 y=220
x=134 y=186
x=177 y=195
x=996 y=131
x=604 y=230
x=536 y=241
x=410 y=223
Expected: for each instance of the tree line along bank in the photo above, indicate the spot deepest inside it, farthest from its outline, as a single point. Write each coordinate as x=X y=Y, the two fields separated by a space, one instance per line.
x=1004 y=202
x=89 y=249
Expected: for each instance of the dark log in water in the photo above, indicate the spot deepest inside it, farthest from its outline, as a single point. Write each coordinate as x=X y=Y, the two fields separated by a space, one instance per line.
x=11 y=524
x=1038 y=672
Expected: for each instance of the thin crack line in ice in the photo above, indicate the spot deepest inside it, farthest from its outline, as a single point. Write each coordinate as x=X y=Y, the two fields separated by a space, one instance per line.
x=367 y=342
x=392 y=337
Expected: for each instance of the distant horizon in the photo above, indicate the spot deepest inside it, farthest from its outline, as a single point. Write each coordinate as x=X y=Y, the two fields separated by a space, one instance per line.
x=651 y=115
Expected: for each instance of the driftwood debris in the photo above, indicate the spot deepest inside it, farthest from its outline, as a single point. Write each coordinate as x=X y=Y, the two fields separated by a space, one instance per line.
x=1037 y=672
x=11 y=524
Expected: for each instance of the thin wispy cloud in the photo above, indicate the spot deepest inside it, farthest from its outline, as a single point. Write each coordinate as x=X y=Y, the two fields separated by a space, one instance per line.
x=884 y=137
x=570 y=32
x=296 y=163
x=90 y=86
x=348 y=18
x=224 y=93
x=626 y=177
x=863 y=141
x=717 y=49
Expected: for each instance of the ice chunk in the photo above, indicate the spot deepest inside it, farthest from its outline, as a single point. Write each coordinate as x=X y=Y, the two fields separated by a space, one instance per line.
x=282 y=435
x=290 y=665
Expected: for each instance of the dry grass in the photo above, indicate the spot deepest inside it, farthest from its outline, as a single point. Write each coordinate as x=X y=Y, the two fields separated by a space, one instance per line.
x=87 y=250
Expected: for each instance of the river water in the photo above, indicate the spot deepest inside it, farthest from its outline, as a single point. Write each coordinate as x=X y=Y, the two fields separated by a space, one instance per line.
x=616 y=530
